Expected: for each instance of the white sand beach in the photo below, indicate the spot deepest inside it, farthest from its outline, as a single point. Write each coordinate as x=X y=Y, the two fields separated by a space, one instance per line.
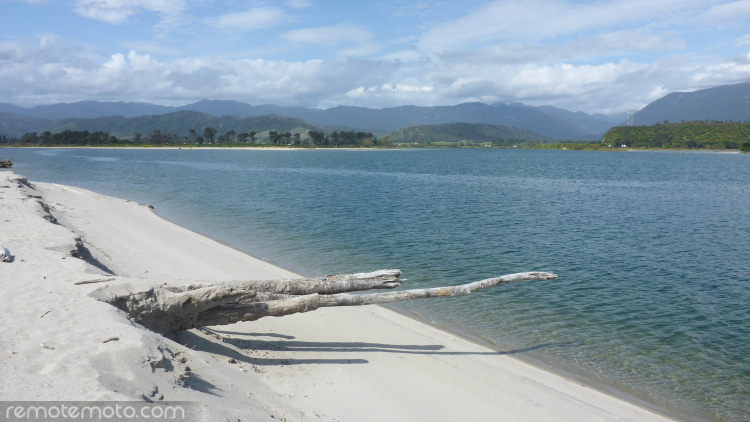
x=336 y=364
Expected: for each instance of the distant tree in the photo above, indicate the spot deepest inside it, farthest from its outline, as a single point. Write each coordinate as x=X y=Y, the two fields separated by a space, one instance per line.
x=252 y=134
x=316 y=138
x=228 y=137
x=273 y=137
x=385 y=141
x=208 y=135
x=30 y=138
x=192 y=134
x=137 y=137
x=242 y=138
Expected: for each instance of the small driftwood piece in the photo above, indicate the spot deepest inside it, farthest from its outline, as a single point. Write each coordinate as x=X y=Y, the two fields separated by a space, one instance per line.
x=98 y=280
x=170 y=309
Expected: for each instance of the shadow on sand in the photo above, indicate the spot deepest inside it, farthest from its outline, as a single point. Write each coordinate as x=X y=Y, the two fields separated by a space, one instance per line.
x=252 y=348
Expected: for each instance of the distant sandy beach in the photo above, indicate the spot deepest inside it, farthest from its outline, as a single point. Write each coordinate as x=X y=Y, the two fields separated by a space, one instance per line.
x=336 y=364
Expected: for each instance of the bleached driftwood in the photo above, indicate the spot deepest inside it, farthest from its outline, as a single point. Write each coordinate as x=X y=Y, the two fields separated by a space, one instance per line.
x=169 y=309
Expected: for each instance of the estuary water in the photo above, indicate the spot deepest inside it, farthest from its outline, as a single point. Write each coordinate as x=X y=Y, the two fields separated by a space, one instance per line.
x=652 y=249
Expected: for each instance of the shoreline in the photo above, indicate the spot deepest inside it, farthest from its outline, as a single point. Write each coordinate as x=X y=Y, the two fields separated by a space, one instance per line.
x=303 y=348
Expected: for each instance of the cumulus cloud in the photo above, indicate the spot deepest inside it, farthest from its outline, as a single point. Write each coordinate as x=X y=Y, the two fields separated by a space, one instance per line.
x=595 y=56
x=736 y=69
x=50 y=69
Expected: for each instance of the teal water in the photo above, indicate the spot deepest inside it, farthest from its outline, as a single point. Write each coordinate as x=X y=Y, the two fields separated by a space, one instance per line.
x=652 y=249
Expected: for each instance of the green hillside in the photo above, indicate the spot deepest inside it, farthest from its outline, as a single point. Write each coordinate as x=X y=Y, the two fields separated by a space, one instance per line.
x=12 y=125
x=180 y=123
x=688 y=135
x=455 y=133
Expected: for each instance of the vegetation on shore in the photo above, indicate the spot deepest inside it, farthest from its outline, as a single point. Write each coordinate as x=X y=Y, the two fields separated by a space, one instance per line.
x=694 y=135
x=684 y=135
x=208 y=137
x=707 y=135
x=466 y=134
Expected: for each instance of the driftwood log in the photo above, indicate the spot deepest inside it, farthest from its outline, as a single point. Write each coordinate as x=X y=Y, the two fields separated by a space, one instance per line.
x=6 y=164
x=170 y=309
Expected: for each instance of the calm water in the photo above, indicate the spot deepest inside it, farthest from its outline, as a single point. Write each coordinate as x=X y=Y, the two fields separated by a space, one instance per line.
x=653 y=249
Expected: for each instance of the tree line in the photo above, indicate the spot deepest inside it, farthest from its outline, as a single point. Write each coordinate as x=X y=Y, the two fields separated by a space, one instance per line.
x=208 y=137
x=684 y=135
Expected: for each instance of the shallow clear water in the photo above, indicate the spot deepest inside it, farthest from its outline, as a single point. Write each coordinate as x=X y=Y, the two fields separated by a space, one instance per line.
x=652 y=248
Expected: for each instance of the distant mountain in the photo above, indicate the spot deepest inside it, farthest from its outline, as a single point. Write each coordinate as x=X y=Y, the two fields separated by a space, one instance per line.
x=14 y=126
x=456 y=132
x=556 y=123
x=86 y=110
x=235 y=108
x=722 y=103
x=593 y=124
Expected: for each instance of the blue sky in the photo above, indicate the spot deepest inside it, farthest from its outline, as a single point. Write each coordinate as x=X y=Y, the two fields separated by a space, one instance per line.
x=593 y=56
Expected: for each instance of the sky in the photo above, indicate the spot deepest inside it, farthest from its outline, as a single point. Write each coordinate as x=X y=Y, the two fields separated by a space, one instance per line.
x=604 y=56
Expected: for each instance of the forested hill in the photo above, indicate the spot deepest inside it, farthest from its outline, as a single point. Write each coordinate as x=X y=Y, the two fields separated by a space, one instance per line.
x=471 y=132
x=690 y=135
x=180 y=123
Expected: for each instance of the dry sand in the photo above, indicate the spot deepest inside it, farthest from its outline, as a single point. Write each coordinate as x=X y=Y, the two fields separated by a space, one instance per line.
x=336 y=364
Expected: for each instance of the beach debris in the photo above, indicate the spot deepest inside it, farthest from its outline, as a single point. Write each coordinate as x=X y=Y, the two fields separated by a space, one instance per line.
x=111 y=339
x=5 y=255
x=6 y=164
x=42 y=315
x=171 y=309
x=98 y=280
x=47 y=347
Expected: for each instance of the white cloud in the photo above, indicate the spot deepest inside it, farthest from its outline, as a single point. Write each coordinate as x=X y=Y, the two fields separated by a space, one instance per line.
x=743 y=40
x=358 y=39
x=329 y=35
x=736 y=69
x=533 y=20
x=251 y=19
x=118 y=11
x=728 y=13
x=559 y=52
x=299 y=4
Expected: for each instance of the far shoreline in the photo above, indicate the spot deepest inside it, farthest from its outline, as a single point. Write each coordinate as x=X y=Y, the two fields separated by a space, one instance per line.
x=395 y=148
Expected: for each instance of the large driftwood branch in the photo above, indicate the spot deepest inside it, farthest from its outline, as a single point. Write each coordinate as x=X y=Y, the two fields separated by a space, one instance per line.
x=165 y=308
x=328 y=285
x=168 y=309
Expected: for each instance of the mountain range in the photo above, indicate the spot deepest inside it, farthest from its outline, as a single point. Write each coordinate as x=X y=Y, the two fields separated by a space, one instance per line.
x=546 y=121
x=722 y=103
x=729 y=102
